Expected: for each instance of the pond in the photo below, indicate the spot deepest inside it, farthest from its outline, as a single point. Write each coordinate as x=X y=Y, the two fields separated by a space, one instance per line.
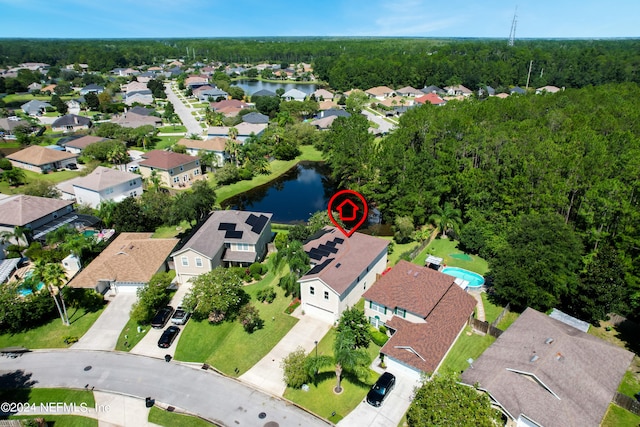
x=251 y=86
x=292 y=197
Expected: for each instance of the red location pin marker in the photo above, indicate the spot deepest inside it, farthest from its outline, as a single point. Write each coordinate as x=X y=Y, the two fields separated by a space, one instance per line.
x=352 y=210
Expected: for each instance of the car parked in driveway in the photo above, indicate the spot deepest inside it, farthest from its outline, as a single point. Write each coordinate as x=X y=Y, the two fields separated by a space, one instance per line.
x=161 y=317
x=381 y=389
x=168 y=336
x=180 y=317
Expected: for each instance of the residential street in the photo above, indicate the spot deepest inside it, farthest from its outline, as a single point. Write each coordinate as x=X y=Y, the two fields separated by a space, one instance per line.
x=205 y=393
x=383 y=125
x=183 y=111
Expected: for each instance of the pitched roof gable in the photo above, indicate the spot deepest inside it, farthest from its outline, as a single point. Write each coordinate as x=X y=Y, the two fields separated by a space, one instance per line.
x=38 y=156
x=217 y=143
x=22 y=210
x=102 y=178
x=166 y=160
x=84 y=141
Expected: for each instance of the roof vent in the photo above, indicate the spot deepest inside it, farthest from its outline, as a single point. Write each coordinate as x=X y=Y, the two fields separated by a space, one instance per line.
x=338 y=265
x=549 y=340
x=416 y=274
x=559 y=357
x=409 y=272
x=534 y=358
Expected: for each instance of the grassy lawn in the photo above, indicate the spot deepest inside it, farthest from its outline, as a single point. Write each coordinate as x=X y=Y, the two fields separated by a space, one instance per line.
x=53 y=333
x=507 y=320
x=278 y=167
x=172 y=129
x=321 y=399
x=468 y=345
x=53 y=177
x=133 y=337
x=399 y=249
x=163 y=142
x=168 y=231
x=491 y=311
x=171 y=419
x=619 y=417
x=45 y=395
x=62 y=420
x=445 y=248
x=221 y=345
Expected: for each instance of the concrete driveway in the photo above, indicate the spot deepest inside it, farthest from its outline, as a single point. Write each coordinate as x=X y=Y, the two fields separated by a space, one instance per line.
x=391 y=411
x=104 y=333
x=267 y=374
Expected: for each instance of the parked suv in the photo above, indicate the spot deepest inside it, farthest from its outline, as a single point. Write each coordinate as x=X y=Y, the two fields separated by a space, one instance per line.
x=381 y=389
x=161 y=317
x=180 y=317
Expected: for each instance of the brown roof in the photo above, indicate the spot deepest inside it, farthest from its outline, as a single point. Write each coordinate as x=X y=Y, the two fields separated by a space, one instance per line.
x=217 y=143
x=431 y=98
x=229 y=103
x=131 y=257
x=379 y=90
x=38 y=156
x=570 y=381
x=431 y=295
x=84 y=141
x=354 y=254
x=22 y=210
x=165 y=160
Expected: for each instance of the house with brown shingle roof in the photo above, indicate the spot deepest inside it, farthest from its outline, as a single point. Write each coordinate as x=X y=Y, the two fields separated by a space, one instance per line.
x=430 y=98
x=424 y=310
x=410 y=92
x=215 y=145
x=543 y=372
x=77 y=145
x=380 y=92
x=126 y=264
x=342 y=268
x=173 y=169
x=40 y=159
x=458 y=90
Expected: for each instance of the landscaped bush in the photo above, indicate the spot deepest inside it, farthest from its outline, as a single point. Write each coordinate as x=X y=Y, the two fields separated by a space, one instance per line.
x=378 y=337
x=266 y=295
x=383 y=329
x=292 y=306
x=250 y=318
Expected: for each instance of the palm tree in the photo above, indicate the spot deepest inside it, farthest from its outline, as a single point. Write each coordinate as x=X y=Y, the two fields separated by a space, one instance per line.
x=231 y=147
x=447 y=218
x=54 y=277
x=19 y=234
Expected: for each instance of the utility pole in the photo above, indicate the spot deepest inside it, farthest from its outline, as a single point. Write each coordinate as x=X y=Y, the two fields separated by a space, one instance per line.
x=529 y=75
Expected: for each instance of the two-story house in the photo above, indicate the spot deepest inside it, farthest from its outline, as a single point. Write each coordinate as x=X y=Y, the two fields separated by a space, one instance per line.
x=105 y=184
x=173 y=169
x=424 y=310
x=40 y=215
x=226 y=238
x=342 y=268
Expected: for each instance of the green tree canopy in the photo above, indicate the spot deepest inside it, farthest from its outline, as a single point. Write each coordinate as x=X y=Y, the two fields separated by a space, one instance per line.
x=217 y=295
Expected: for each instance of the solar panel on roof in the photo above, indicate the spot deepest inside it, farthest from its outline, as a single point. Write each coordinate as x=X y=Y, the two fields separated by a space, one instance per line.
x=327 y=248
x=319 y=267
x=261 y=221
x=339 y=240
x=251 y=220
x=314 y=255
x=226 y=226
x=332 y=244
x=232 y=234
x=323 y=252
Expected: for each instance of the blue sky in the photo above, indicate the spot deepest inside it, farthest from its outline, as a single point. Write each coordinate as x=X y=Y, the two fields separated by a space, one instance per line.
x=248 y=18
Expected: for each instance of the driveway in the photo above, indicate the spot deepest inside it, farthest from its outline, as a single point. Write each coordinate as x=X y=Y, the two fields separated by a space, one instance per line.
x=383 y=125
x=104 y=333
x=391 y=411
x=204 y=393
x=184 y=112
x=267 y=374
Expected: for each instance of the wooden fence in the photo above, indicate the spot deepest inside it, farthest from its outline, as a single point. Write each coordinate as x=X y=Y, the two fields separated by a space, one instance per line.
x=414 y=253
x=485 y=327
x=626 y=402
x=501 y=315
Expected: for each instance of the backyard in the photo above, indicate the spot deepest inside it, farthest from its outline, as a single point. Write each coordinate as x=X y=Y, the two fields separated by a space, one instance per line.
x=452 y=256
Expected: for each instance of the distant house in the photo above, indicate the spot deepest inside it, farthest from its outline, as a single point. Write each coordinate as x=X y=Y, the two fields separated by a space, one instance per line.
x=433 y=89
x=262 y=92
x=227 y=238
x=34 y=87
x=229 y=107
x=124 y=72
x=141 y=111
x=132 y=120
x=380 y=92
x=41 y=215
x=9 y=124
x=106 y=184
x=196 y=81
x=324 y=123
x=547 y=89
x=430 y=98
x=294 y=95
x=141 y=97
x=245 y=131
x=35 y=108
x=409 y=91
x=213 y=93
x=173 y=169
x=338 y=112
x=342 y=269
x=76 y=146
x=92 y=88
x=543 y=372
x=71 y=123
x=458 y=90
x=40 y=159
x=255 y=118
x=425 y=311
x=127 y=264
x=215 y=145
x=323 y=95
x=518 y=90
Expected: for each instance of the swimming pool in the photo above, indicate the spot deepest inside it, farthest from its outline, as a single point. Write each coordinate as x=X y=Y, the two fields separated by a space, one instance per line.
x=475 y=280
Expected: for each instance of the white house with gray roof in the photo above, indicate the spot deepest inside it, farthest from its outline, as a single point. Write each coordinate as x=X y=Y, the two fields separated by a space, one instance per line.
x=294 y=95
x=35 y=107
x=103 y=184
x=226 y=238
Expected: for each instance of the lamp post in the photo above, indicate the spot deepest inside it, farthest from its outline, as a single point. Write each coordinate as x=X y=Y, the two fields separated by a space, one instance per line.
x=316 y=343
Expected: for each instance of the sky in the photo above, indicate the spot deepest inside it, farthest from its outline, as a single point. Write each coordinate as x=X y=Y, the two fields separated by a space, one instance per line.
x=351 y=18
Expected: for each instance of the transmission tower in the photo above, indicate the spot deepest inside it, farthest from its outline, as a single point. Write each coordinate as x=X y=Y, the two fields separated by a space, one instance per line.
x=512 y=34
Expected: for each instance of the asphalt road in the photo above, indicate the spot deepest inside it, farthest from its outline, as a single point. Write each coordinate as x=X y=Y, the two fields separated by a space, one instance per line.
x=183 y=112
x=204 y=393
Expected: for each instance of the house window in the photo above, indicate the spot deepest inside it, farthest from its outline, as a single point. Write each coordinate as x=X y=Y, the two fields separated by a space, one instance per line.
x=244 y=247
x=185 y=177
x=196 y=172
x=378 y=307
x=312 y=290
x=401 y=312
x=185 y=261
x=176 y=179
x=326 y=294
x=198 y=262
x=181 y=168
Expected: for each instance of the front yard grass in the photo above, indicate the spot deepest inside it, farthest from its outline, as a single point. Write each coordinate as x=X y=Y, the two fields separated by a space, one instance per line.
x=53 y=177
x=468 y=345
x=618 y=417
x=444 y=248
x=321 y=399
x=130 y=335
x=53 y=333
x=226 y=346
x=61 y=420
x=46 y=395
x=172 y=129
x=171 y=419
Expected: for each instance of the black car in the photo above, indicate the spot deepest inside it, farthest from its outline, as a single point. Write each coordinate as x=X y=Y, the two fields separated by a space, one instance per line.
x=161 y=317
x=72 y=166
x=180 y=317
x=168 y=336
x=381 y=389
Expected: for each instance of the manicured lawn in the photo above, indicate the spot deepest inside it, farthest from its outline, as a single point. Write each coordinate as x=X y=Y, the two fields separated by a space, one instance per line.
x=62 y=420
x=133 y=337
x=491 y=311
x=277 y=167
x=45 y=395
x=172 y=129
x=227 y=346
x=53 y=333
x=321 y=399
x=163 y=142
x=619 y=417
x=445 y=248
x=168 y=231
x=53 y=177
x=399 y=249
x=171 y=419
x=468 y=345
x=507 y=320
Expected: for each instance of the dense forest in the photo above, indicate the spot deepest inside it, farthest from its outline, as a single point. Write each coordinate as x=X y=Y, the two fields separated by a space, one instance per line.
x=548 y=188
x=346 y=63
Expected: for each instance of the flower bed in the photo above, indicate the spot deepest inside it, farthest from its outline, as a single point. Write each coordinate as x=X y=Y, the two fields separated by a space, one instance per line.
x=292 y=306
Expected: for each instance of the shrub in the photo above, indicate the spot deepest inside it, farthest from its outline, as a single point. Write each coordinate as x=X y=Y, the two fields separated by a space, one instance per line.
x=292 y=306
x=294 y=368
x=383 y=329
x=255 y=268
x=250 y=318
x=378 y=337
x=266 y=295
